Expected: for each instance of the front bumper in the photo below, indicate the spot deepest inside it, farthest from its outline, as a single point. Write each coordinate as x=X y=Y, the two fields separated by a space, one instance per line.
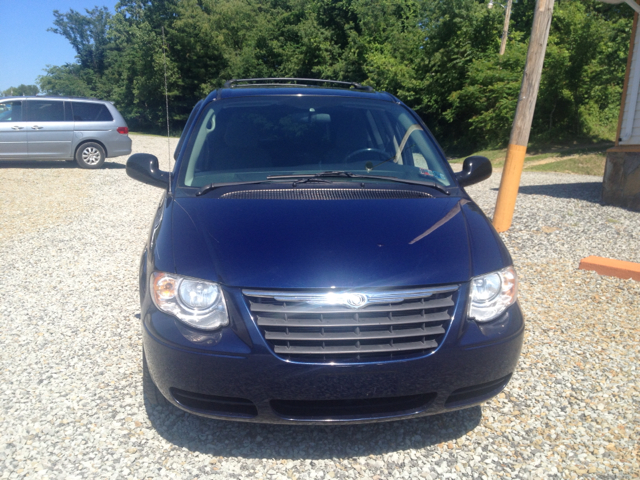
x=233 y=374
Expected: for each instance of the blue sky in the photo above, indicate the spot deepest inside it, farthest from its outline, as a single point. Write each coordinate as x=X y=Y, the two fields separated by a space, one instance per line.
x=26 y=46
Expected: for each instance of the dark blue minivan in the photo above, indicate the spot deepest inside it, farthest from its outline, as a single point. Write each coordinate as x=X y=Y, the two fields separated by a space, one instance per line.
x=315 y=259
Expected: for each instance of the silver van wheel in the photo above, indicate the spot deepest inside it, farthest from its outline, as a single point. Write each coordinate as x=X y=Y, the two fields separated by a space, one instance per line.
x=90 y=155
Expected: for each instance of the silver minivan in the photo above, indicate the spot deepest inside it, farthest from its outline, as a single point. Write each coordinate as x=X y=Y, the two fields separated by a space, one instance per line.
x=62 y=128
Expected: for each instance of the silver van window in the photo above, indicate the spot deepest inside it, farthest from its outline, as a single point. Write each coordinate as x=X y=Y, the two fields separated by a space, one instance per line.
x=11 y=112
x=90 y=112
x=45 y=111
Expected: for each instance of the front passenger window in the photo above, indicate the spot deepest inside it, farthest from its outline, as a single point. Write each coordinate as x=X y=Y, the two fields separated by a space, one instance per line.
x=11 y=112
x=45 y=111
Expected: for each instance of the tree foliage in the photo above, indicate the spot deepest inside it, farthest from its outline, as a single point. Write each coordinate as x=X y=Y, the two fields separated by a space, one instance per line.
x=20 y=90
x=581 y=84
x=87 y=35
x=440 y=57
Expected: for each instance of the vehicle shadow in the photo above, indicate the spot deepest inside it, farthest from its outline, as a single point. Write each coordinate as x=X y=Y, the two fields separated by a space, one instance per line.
x=51 y=164
x=589 y=191
x=294 y=442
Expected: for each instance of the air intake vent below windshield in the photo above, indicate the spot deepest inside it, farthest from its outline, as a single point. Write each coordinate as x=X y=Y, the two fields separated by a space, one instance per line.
x=324 y=194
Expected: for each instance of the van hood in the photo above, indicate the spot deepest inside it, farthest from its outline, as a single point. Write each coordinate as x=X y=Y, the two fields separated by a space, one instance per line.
x=294 y=244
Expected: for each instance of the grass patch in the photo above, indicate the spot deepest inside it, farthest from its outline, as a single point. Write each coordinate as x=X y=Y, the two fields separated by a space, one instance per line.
x=538 y=153
x=542 y=156
x=582 y=164
x=495 y=156
x=498 y=157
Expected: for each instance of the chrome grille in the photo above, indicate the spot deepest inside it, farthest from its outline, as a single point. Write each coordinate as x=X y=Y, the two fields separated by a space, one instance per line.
x=324 y=327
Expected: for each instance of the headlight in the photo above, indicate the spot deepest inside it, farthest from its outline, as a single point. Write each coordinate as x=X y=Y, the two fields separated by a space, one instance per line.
x=491 y=294
x=197 y=303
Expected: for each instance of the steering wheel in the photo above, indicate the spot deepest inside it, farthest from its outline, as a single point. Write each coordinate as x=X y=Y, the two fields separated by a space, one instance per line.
x=377 y=151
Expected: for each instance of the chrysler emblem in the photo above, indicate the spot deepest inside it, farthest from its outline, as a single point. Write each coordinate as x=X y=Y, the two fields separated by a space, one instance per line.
x=356 y=300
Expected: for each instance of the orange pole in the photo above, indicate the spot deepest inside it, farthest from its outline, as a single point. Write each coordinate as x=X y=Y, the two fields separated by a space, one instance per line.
x=509 y=184
x=512 y=172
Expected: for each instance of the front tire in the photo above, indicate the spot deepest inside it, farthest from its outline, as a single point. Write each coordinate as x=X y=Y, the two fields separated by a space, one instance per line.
x=90 y=155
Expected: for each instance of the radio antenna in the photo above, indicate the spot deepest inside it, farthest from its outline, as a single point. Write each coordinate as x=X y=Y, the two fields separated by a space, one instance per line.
x=166 y=96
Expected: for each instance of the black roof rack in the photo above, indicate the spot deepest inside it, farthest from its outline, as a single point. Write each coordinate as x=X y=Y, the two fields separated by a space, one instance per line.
x=282 y=82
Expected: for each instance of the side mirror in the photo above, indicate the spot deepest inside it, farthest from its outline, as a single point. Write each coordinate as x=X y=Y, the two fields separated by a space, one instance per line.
x=144 y=168
x=474 y=170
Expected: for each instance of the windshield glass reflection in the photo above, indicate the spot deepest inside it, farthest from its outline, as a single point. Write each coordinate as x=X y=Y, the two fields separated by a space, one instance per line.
x=249 y=139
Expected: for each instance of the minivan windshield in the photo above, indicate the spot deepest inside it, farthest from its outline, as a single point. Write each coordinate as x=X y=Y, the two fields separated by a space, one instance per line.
x=252 y=138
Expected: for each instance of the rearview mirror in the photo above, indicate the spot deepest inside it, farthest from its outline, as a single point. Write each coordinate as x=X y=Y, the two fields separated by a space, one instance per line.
x=474 y=170
x=144 y=168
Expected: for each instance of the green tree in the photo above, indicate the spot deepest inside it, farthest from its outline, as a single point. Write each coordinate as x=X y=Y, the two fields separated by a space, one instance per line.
x=440 y=57
x=581 y=83
x=584 y=71
x=86 y=33
x=68 y=79
x=134 y=79
x=21 y=90
x=486 y=105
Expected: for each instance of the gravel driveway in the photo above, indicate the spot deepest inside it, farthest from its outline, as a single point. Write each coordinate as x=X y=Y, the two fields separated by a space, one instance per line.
x=71 y=392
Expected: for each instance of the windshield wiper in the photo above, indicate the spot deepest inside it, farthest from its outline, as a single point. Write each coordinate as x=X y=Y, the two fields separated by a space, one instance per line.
x=212 y=186
x=336 y=173
x=341 y=173
x=310 y=180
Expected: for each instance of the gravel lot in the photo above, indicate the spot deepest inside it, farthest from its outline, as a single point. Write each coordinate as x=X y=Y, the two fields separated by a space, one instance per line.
x=71 y=391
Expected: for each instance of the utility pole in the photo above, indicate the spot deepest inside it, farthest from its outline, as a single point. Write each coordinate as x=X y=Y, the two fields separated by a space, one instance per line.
x=505 y=29
x=521 y=129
